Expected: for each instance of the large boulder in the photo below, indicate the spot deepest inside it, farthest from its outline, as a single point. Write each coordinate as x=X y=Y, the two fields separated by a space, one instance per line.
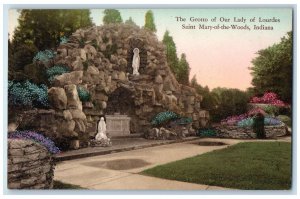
x=74 y=77
x=73 y=98
x=57 y=97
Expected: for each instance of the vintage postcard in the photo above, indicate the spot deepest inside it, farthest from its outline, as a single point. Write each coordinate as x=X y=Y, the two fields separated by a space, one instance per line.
x=150 y=99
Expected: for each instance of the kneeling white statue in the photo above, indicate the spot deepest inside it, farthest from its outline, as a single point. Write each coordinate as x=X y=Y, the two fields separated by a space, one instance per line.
x=101 y=138
x=101 y=133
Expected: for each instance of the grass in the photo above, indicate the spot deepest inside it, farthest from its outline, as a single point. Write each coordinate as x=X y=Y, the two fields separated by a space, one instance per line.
x=61 y=185
x=248 y=166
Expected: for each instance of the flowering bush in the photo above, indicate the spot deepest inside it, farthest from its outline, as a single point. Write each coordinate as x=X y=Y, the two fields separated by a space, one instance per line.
x=163 y=117
x=233 y=120
x=44 y=56
x=268 y=98
x=27 y=94
x=31 y=135
x=245 y=122
x=64 y=40
x=268 y=121
x=55 y=71
x=83 y=94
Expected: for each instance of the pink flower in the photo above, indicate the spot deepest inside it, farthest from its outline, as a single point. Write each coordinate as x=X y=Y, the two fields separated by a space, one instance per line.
x=268 y=98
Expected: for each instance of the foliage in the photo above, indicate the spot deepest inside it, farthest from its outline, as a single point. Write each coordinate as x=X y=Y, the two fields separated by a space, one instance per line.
x=248 y=122
x=130 y=22
x=229 y=102
x=268 y=121
x=171 y=52
x=83 y=94
x=246 y=166
x=206 y=132
x=234 y=119
x=149 y=21
x=183 y=70
x=64 y=40
x=271 y=110
x=179 y=67
x=268 y=98
x=44 y=28
x=27 y=94
x=210 y=100
x=22 y=55
x=35 y=136
x=272 y=69
x=259 y=127
x=44 y=56
x=112 y=16
x=164 y=117
x=285 y=119
x=55 y=71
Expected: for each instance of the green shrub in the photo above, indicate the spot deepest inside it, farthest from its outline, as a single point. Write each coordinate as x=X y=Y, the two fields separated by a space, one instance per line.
x=285 y=119
x=22 y=55
x=44 y=56
x=164 y=117
x=83 y=94
x=55 y=71
x=259 y=126
x=206 y=133
x=27 y=94
x=271 y=110
x=64 y=40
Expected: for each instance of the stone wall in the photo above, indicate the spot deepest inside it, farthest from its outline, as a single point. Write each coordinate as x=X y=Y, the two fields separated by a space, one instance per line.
x=227 y=131
x=30 y=165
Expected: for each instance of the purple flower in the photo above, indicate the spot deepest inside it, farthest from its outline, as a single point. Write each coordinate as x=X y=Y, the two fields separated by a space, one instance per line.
x=31 y=135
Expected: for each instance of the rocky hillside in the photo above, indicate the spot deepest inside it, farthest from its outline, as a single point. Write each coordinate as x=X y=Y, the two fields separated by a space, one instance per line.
x=100 y=61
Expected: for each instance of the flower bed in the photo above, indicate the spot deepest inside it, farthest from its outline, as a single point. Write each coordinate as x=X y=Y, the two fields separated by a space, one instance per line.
x=36 y=137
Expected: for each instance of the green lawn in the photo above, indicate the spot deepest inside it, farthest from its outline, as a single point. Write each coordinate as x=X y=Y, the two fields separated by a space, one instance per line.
x=249 y=166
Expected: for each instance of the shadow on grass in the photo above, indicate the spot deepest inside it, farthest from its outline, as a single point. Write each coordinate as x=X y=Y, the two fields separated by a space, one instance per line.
x=61 y=185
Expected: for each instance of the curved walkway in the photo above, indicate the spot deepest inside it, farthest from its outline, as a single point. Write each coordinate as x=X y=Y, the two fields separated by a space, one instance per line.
x=120 y=171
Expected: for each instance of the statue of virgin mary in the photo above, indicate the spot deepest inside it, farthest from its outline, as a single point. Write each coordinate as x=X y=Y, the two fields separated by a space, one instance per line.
x=136 y=61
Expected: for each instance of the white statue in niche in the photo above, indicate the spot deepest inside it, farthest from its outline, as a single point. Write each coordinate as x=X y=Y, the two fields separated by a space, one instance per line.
x=136 y=61
x=101 y=134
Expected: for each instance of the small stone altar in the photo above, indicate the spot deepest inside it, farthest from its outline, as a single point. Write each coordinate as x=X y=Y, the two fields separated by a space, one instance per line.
x=118 y=125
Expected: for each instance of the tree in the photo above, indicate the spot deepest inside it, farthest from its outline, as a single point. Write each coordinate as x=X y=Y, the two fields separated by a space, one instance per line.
x=43 y=28
x=229 y=102
x=183 y=70
x=149 y=21
x=171 y=52
x=210 y=100
x=112 y=16
x=130 y=22
x=272 y=70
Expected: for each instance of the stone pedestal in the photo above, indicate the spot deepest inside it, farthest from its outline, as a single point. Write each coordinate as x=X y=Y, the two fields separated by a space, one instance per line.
x=117 y=125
